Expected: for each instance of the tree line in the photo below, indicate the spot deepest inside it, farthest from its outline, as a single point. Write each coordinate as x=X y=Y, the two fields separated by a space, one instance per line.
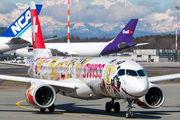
x=155 y=41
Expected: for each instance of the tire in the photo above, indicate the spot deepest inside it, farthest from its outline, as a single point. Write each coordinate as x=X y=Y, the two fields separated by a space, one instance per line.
x=128 y=115
x=108 y=107
x=116 y=107
x=132 y=114
x=43 y=110
x=51 y=109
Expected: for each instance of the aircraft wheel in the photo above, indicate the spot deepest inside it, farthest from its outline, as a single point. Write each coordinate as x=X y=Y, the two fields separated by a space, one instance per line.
x=108 y=107
x=51 y=109
x=132 y=114
x=116 y=107
x=43 y=109
x=128 y=115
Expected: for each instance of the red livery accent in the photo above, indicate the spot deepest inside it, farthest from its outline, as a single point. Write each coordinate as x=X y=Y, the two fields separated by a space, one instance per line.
x=36 y=31
x=91 y=71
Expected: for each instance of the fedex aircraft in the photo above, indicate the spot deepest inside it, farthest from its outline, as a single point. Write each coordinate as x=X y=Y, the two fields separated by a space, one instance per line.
x=122 y=41
x=18 y=35
x=87 y=78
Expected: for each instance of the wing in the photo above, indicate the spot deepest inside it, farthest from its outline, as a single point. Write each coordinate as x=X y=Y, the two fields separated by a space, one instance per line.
x=14 y=64
x=67 y=86
x=164 y=77
x=62 y=52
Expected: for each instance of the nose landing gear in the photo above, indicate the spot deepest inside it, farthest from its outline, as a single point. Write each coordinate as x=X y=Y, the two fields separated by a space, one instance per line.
x=130 y=113
x=111 y=104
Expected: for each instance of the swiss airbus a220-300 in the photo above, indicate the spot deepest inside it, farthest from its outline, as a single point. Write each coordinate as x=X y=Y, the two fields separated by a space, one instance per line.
x=87 y=78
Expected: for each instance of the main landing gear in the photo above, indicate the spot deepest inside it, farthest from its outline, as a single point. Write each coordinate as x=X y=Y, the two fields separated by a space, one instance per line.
x=51 y=109
x=111 y=104
x=130 y=113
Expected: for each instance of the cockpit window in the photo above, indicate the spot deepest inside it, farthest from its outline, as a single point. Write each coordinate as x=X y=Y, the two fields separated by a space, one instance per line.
x=131 y=72
x=141 y=72
x=121 y=72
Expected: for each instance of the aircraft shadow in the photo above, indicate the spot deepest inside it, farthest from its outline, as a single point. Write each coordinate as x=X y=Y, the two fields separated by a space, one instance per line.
x=72 y=108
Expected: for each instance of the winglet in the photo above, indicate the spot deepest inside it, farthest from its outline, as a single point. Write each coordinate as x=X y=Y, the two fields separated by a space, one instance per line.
x=39 y=49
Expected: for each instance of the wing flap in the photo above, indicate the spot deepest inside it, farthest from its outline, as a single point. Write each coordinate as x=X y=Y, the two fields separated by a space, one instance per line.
x=164 y=77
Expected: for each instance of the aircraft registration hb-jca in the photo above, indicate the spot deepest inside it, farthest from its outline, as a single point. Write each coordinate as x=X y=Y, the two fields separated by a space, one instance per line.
x=90 y=49
x=87 y=78
x=18 y=35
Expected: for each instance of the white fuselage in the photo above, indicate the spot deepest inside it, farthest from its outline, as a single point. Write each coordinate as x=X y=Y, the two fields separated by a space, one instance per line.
x=95 y=77
x=76 y=49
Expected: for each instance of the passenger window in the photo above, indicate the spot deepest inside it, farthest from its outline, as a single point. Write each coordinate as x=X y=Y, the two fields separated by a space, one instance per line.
x=141 y=72
x=131 y=72
x=121 y=72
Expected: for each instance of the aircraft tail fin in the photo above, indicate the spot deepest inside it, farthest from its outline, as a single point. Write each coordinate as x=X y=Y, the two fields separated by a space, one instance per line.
x=22 y=26
x=127 y=32
x=39 y=49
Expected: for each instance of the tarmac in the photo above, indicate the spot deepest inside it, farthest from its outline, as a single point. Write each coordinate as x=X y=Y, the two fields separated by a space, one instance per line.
x=13 y=105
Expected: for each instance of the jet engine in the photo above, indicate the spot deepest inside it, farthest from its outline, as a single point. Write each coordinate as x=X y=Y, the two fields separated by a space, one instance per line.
x=40 y=95
x=154 y=98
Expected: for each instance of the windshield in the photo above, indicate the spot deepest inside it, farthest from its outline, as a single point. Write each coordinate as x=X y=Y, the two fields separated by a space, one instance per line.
x=141 y=72
x=131 y=73
x=121 y=72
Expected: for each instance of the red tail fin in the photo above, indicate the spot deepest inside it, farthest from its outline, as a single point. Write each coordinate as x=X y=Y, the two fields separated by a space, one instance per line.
x=39 y=49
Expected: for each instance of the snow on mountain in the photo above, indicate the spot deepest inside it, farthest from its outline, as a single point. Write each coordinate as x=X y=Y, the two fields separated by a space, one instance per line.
x=153 y=22
x=107 y=3
x=56 y=2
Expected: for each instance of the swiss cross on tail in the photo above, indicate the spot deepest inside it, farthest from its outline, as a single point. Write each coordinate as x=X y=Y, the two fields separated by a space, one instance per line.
x=34 y=28
x=38 y=42
x=39 y=49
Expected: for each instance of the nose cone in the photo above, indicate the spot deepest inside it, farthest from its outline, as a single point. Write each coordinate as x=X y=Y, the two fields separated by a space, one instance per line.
x=141 y=89
x=138 y=87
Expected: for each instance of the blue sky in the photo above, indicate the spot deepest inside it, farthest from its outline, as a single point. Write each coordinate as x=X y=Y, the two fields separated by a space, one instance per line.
x=154 y=15
x=161 y=2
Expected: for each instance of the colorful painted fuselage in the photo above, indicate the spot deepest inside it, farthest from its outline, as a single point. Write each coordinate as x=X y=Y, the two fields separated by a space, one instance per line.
x=98 y=77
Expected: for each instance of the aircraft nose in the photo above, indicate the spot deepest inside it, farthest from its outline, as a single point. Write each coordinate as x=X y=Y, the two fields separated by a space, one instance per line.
x=141 y=90
x=137 y=87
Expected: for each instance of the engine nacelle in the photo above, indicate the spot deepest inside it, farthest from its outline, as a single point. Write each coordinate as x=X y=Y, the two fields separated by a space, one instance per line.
x=40 y=95
x=154 y=98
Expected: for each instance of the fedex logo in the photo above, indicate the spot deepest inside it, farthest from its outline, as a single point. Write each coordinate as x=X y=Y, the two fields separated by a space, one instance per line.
x=127 y=32
x=21 y=22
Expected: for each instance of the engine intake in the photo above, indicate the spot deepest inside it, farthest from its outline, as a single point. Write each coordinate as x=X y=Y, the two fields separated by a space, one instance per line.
x=40 y=95
x=154 y=98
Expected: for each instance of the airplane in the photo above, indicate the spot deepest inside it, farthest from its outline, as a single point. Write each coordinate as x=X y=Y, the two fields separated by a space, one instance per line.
x=18 y=35
x=86 y=78
x=91 y=49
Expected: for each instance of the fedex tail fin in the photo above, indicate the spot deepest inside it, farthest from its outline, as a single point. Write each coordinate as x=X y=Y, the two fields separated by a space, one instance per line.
x=39 y=49
x=127 y=33
x=123 y=40
x=22 y=26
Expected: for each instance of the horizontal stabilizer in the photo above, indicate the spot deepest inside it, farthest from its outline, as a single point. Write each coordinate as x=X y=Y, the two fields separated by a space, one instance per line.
x=18 y=41
x=140 y=44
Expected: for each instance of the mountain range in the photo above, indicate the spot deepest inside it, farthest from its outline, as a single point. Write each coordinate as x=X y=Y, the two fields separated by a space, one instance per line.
x=54 y=26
